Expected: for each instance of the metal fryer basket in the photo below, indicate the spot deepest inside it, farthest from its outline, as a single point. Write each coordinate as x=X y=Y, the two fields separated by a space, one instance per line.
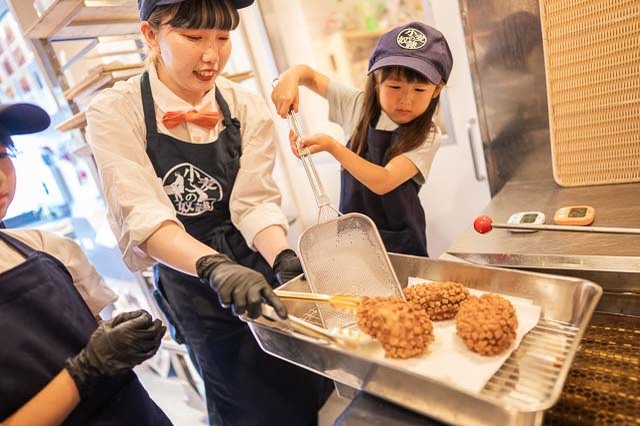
x=346 y=255
x=529 y=382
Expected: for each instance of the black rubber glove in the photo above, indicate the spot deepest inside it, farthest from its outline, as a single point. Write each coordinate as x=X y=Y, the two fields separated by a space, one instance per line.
x=115 y=347
x=241 y=288
x=287 y=266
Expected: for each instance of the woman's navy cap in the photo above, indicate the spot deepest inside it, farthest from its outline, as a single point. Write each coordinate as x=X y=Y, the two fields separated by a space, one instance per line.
x=22 y=118
x=146 y=6
x=416 y=46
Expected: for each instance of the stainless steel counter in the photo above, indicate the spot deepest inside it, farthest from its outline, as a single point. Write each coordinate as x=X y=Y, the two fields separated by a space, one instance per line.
x=611 y=260
x=615 y=205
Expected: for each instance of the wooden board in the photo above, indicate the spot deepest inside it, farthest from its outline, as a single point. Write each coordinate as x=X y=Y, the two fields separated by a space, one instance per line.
x=57 y=15
x=78 y=121
x=76 y=19
x=103 y=76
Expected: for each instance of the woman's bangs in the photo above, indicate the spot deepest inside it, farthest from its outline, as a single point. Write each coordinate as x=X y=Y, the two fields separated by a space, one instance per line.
x=205 y=14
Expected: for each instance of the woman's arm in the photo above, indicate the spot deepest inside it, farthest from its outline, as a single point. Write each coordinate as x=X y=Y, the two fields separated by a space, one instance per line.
x=171 y=245
x=270 y=242
x=380 y=180
x=285 y=94
x=50 y=406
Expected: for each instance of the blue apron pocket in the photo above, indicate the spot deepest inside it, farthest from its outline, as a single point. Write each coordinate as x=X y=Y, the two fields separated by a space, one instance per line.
x=167 y=310
x=403 y=241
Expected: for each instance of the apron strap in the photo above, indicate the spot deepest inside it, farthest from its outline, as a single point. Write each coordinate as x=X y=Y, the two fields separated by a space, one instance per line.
x=18 y=245
x=226 y=113
x=149 y=108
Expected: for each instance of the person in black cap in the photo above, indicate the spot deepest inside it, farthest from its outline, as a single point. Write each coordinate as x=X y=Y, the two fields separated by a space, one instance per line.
x=392 y=138
x=186 y=158
x=58 y=364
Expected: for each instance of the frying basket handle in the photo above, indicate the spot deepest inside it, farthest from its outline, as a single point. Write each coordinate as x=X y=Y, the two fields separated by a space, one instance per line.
x=322 y=199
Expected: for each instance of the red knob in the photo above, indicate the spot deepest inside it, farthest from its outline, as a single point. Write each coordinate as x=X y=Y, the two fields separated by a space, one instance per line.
x=482 y=224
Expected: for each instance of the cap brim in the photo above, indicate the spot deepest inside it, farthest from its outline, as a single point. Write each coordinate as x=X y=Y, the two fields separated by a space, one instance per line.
x=22 y=119
x=418 y=65
x=145 y=12
x=239 y=4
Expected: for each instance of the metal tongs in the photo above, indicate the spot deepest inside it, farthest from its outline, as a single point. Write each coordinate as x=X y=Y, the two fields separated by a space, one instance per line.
x=343 y=302
x=349 y=338
x=325 y=210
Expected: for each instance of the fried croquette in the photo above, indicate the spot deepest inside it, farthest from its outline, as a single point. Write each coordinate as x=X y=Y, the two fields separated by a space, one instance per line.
x=403 y=329
x=441 y=300
x=487 y=324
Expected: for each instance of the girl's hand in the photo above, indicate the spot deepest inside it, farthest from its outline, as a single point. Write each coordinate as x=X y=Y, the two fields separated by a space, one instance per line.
x=285 y=94
x=316 y=143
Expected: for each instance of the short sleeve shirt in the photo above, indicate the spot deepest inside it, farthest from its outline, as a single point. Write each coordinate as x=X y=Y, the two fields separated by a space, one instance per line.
x=345 y=109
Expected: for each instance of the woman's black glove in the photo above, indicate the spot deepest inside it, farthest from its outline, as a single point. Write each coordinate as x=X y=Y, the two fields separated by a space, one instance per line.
x=115 y=347
x=287 y=266
x=241 y=288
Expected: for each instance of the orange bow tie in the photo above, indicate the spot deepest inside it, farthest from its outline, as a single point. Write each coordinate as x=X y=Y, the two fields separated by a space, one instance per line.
x=203 y=118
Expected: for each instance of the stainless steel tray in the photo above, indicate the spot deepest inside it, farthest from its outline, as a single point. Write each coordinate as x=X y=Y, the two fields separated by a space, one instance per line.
x=529 y=382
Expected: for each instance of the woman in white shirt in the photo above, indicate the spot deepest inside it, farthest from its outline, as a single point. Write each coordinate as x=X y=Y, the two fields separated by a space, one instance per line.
x=185 y=158
x=57 y=364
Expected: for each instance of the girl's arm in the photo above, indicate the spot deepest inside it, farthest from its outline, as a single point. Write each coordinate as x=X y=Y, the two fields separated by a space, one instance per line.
x=50 y=406
x=380 y=180
x=285 y=95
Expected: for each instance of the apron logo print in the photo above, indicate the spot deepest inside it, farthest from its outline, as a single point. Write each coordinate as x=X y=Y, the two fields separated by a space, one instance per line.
x=191 y=190
x=411 y=39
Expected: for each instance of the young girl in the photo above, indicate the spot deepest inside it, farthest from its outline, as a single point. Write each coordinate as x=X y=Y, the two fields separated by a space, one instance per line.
x=392 y=138
x=185 y=158
x=57 y=364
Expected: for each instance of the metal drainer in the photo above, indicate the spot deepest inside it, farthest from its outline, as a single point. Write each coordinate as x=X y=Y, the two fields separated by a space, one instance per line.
x=603 y=386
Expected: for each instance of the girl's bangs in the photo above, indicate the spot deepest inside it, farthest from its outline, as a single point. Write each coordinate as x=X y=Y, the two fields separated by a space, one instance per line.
x=402 y=74
x=204 y=14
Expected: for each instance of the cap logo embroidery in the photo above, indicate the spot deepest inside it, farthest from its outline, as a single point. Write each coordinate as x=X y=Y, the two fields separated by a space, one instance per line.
x=411 y=39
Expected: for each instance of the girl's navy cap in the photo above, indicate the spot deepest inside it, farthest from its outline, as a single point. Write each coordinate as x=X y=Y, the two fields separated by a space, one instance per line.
x=146 y=6
x=416 y=46
x=22 y=118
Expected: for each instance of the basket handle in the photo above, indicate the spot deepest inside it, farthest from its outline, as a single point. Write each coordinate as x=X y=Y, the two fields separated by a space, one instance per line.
x=322 y=199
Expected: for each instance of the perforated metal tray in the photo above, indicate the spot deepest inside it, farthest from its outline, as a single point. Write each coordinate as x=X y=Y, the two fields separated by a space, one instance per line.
x=529 y=382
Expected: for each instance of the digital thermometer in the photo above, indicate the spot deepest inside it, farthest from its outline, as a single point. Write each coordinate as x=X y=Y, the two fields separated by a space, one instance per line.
x=574 y=215
x=526 y=218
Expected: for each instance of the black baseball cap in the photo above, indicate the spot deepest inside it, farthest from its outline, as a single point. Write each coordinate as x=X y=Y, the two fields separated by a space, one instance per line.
x=22 y=118
x=416 y=46
x=146 y=6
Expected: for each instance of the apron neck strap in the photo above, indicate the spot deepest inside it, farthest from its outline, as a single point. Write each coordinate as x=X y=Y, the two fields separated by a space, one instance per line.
x=18 y=245
x=148 y=107
x=224 y=108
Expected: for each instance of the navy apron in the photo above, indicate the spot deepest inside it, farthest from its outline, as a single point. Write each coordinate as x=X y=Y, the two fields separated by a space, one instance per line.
x=398 y=214
x=244 y=385
x=44 y=321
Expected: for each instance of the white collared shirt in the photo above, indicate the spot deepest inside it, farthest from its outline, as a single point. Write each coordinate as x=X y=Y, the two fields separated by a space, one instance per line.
x=85 y=278
x=137 y=203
